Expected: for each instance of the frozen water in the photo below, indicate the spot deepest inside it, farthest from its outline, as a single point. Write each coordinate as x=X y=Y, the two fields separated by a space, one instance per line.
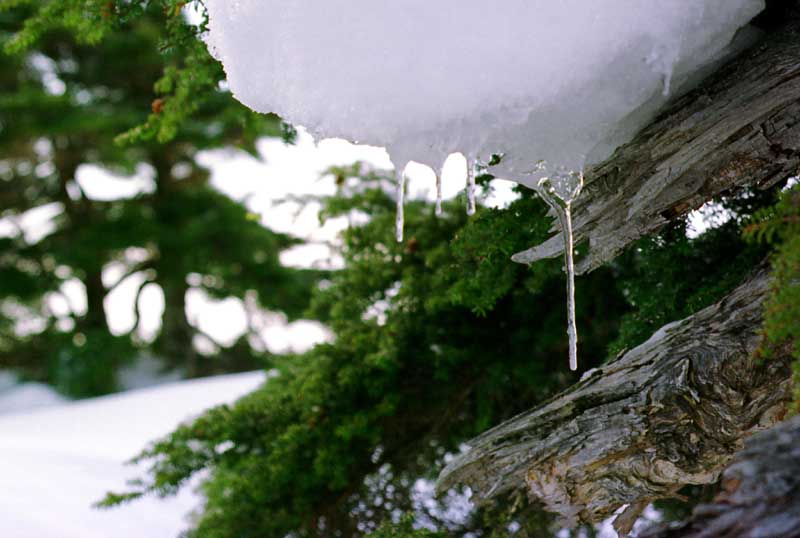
x=560 y=187
x=530 y=79
x=401 y=199
x=471 y=185
x=439 y=195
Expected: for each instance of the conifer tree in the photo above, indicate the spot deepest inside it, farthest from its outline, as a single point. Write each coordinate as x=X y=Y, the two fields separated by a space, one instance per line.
x=68 y=104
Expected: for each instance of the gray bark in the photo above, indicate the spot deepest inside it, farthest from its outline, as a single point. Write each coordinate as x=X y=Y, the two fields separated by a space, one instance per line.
x=670 y=412
x=740 y=127
x=760 y=495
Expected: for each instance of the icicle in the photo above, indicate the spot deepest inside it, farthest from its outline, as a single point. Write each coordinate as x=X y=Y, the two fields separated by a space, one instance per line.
x=401 y=194
x=470 y=185
x=565 y=187
x=439 y=192
x=667 y=88
x=572 y=326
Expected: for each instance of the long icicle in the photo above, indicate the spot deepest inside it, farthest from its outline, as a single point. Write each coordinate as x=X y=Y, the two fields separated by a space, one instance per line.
x=439 y=191
x=401 y=194
x=569 y=260
x=564 y=215
x=470 y=185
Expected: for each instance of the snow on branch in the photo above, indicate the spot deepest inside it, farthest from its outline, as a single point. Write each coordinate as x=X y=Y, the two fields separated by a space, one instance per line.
x=740 y=128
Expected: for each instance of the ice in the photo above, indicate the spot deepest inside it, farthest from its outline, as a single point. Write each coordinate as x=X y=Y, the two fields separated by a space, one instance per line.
x=560 y=187
x=401 y=199
x=439 y=195
x=471 y=185
x=562 y=81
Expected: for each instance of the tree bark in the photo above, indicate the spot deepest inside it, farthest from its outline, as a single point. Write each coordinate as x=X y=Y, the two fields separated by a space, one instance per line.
x=670 y=412
x=740 y=127
x=760 y=497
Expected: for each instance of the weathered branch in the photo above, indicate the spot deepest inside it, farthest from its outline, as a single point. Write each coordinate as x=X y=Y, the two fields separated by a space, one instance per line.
x=740 y=127
x=761 y=493
x=670 y=412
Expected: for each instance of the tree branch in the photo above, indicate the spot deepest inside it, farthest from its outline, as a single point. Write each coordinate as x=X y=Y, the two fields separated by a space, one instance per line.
x=137 y=310
x=761 y=493
x=129 y=272
x=740 y=127
x=670 y=412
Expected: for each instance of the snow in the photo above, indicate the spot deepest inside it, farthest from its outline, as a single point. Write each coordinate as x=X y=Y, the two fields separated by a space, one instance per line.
x=56 y=462
x=533 y=80
x=28 y=396
x=16 y=397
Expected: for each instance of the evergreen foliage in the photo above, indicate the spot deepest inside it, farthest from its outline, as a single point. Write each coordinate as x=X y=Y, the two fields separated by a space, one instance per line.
x=675 y=275
x=74 y=81
x=779 y=225
x=186 y=82
x=414 y=371
x=437 y=339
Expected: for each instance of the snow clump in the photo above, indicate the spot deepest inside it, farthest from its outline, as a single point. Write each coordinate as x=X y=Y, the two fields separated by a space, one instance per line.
x=561 y=81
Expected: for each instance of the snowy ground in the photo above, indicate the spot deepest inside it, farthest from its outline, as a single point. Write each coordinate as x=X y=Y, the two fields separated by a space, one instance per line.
x=57 y=458
x=55 y=461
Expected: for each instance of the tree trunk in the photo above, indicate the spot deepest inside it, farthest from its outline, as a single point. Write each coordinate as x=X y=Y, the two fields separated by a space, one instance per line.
x=95 y=318
x=175 y=342
x=760 y=497
x=670 y=412
x=741 y=127
x=81 y=215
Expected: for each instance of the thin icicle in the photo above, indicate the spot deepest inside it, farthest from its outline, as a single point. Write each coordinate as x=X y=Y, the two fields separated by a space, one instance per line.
x=439 y=192
x=552 y=190
x=667 y=88
x=401 y=195
x=569 y=259
x=470 y=185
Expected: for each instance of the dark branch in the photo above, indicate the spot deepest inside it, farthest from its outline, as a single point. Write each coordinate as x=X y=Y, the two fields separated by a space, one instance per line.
x=761 y=493
x=670 y=412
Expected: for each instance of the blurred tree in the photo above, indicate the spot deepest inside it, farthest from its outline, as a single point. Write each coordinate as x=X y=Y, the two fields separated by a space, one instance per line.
x=63 y=105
